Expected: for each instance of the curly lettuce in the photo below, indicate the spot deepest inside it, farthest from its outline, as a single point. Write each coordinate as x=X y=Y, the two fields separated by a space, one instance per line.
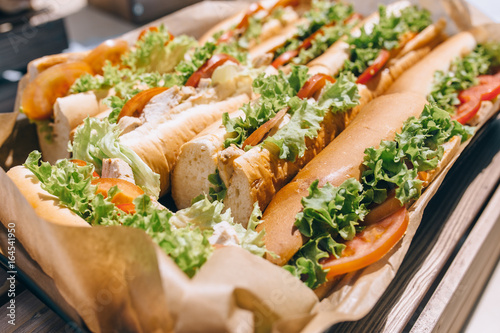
x=461 y=75
x=366 y=46
x=322 y=13
x=275 y=92
x=96 y=140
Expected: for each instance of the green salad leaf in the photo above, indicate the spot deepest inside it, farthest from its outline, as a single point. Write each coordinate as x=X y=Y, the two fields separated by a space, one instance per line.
x=462 y=74
x=98 y=139
x=322 y=13
x=183 y=235
x=275 y=91
x=155 y=52
x=366 y=46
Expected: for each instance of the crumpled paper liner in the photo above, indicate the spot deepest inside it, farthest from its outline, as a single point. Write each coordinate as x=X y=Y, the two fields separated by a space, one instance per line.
x=117 y=279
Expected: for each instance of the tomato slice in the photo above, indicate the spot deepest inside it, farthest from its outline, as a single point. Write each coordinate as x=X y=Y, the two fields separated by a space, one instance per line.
x=40 y=94
x=128 y=190
x=488 y=89
x=135 y=105
x=260 y=132
x=154 y=29
x=83 y=163
x=284 y=58
x=208 y=68
x=111 y=50
x=372 y=70
x=370 y=245
x=314 y=84
x=128 y=208
x=386 y=208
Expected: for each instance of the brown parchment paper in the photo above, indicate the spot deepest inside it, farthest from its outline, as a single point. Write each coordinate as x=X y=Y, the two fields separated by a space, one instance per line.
x=117 y=279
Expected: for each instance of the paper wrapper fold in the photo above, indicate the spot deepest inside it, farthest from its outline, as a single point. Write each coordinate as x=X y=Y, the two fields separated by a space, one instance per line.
x=117 y=279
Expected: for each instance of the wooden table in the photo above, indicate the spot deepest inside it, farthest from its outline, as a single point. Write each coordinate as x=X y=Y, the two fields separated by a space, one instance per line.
x=449 y=262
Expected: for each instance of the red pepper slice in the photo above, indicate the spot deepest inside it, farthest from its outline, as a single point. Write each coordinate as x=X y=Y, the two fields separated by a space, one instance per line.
x=370 y=245
x=83 y=163
x=128 y=208
x=488 y=89
x=314 y=84
x=208 y=68
x=284 y=58
x=372 y=70
x=135 y=105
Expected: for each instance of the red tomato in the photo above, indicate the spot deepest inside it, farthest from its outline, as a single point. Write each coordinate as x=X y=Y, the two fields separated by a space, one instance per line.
x=314 y=84
x=128 y=190
x=377 y=65
x=208 y=68
x=83 y=163
x=40 y=94
x=284 y=58
x=128 y=208
x=135 y=105
x=154 y=29
x=260 y=132
x=370 y=245
x=488 y=89
x=111 y=50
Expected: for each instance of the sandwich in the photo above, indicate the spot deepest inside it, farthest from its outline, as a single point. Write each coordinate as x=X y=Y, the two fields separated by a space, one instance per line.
x=62 y=90
x=248 y=175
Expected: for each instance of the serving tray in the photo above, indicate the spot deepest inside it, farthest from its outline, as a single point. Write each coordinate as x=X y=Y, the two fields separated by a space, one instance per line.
x=449 y=262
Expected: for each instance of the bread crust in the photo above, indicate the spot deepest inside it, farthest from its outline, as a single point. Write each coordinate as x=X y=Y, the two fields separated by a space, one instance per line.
x=340 y=160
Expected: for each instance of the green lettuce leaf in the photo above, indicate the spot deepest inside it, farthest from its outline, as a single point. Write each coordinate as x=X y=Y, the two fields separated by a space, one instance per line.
x=218 y=190
x=384 y=35
x=152 y=55
x=67 y=181
x=307 y=116
x=322 y=13
x=462 y=74
x=275 y=91
x=98 y=139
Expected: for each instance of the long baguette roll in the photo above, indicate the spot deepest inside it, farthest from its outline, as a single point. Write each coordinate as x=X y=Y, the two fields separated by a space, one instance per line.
x=341 y=160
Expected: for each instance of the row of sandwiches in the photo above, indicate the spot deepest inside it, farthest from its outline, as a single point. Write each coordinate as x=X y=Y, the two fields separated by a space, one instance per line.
x=299 y=131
